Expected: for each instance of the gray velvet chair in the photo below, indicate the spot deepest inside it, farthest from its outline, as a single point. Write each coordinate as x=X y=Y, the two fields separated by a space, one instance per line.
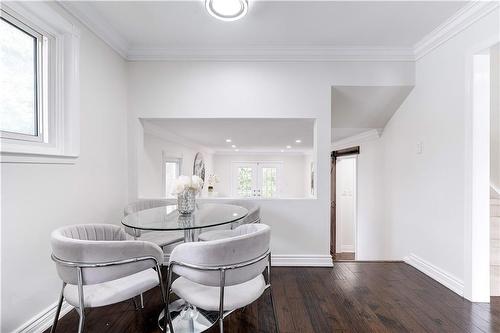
x=252 y=217
x=164 y=239
x=222 y=275
x=100 y=266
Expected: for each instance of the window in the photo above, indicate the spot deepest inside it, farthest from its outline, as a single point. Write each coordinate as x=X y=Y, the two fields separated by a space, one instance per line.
x=171 y=171
x=256 y=179
x=21 y=82
x=39 y=99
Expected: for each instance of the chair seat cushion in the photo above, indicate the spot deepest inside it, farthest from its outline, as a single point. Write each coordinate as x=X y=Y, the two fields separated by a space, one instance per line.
x=161 y=238
x=114 y=291
x=216 y=235
x=207 y=298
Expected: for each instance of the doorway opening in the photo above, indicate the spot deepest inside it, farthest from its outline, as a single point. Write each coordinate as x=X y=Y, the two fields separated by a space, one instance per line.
x=343 y=214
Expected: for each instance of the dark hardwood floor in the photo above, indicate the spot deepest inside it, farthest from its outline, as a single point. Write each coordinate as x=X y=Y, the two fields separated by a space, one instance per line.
x=350 y=297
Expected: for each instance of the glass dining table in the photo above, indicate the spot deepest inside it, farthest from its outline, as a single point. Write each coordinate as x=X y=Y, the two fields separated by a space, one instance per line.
x=186 y=318
x=167 y=218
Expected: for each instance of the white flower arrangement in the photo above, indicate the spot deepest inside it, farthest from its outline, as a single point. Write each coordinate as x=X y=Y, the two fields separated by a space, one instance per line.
x=184 y=183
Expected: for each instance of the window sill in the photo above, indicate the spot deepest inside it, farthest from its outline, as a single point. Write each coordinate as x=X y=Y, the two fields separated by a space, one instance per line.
x=18 y=158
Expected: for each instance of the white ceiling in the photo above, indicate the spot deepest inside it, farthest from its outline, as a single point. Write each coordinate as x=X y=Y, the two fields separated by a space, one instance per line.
x=146 y=26
x=249 y=135
x=357 y=109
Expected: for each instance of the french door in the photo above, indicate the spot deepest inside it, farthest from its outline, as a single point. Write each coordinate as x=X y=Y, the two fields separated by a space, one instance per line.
x=256 y=179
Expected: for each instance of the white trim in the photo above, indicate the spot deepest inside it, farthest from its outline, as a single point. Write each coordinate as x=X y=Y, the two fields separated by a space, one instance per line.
x=357 y=139
x=91 y=18
x=465 y=17
x=302 y=260
x=476 y=209
x=272 y=53
x=446 y=279
x=62 y=102
x=44 y=319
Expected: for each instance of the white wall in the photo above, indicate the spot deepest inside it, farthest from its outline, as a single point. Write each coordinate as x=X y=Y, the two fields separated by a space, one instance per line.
x=346 y=204
x=292 y=178
x=372 y=229
x=151 y=185
x=38 y=198
x=426 y=193
x=495 y=118
x=258 y=89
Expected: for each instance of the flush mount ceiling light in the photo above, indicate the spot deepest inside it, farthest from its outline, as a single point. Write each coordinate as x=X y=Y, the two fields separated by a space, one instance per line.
x=228 y=140
x=298 y=141
x=227 y=10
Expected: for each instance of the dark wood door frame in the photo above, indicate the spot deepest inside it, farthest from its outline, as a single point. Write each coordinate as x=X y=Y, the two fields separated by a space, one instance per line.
x=333 y=195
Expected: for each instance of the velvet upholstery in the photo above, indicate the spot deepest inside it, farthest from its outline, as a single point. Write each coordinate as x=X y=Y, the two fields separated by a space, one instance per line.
x=113 y=291
x=207 y=298
x=160 y=238
x=250 y=242
x=220 y=232
x=100 y=243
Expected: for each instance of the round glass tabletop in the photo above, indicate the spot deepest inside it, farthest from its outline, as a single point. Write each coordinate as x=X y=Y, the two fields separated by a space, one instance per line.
x=168 y=218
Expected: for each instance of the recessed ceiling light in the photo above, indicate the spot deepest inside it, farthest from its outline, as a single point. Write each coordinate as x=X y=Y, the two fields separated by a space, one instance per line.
x=227 y=10
x=288 y=147
x=282 y=151
x=298 y=141
x=228 y=140
x=234 y=146
x=236 y=150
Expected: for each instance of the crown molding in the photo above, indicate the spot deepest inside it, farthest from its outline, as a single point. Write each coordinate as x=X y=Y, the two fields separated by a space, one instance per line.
x=272 y=53
x=357 y=139
x=466 y=16
x=87 y=14
x=460 y=21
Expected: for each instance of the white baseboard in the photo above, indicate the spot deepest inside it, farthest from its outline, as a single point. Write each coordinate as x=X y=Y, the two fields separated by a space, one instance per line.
x=44 y=319
x=302 y=260
x=446 y=279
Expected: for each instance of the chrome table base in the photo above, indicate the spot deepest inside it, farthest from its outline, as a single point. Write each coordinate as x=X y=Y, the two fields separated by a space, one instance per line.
x=187 y=318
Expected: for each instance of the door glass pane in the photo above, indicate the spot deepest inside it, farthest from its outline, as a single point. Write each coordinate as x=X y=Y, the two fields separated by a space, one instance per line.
x=171 y=173
x=269 y=182
x=244 y=182
x=18 y=80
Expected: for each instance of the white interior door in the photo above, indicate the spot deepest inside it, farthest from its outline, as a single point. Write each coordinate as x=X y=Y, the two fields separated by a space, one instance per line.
x=256 y=179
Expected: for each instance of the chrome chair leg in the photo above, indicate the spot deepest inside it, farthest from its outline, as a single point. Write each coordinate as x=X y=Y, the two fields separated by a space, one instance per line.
x=142 y=301
x=221 y=300
x=276 y=324
x=81 y=323
x=164 y=299
x=58 y=310
x=167 y=301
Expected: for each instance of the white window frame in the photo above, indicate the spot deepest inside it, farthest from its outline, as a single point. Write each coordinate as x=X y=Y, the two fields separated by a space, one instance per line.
x=40 y=71
x=165 y=159
x=258 y=181
x=59 y=128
